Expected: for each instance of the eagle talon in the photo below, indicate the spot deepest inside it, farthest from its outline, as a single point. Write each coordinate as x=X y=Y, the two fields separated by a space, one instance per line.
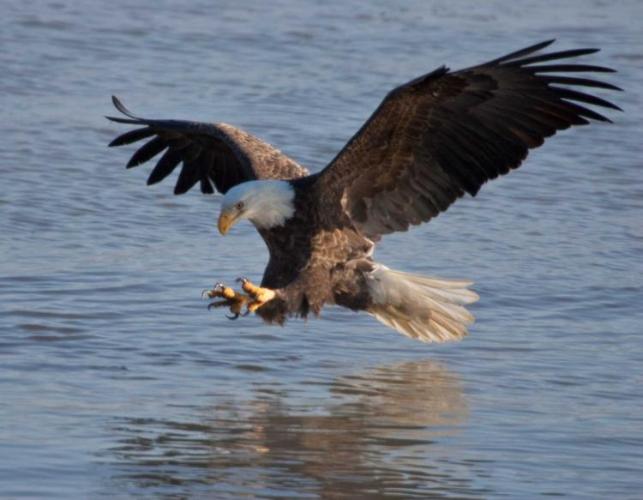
x=230 y=298
x=258 y=294
x=219 y=303
x=225 y=292
x=253 y=306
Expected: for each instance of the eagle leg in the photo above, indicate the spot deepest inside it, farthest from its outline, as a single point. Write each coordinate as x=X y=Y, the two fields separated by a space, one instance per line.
x=258 y=295
x=234 y=300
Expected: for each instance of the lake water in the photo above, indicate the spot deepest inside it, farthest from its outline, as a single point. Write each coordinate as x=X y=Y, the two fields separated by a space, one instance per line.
x=117 y=382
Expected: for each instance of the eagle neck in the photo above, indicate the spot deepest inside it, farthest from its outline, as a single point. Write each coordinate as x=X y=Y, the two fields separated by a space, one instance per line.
x=273 y=204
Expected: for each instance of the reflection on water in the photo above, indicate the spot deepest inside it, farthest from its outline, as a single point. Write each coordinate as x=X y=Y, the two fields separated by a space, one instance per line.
x=378 y=434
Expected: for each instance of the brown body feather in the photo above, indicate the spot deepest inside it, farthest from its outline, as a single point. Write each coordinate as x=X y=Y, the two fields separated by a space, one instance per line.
x=313 y=263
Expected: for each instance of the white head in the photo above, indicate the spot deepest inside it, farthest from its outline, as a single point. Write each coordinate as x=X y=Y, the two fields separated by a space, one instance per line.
x=265 y=203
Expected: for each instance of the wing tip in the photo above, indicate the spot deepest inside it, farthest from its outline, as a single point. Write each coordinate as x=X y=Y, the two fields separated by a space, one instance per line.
x=521 y=52
x=118 y=104
x=132 y=163
x=115 y=142
x=546 y=43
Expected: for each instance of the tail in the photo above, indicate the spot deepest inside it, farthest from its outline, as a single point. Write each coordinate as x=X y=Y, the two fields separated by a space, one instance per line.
x=423 y=308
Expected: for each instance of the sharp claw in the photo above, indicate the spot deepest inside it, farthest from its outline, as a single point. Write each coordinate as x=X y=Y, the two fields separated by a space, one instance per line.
x=207 y=294
x=233 y=300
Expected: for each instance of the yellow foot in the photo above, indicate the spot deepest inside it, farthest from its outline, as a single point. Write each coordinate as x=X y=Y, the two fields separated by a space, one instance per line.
x=258 y=295
x=231 y=299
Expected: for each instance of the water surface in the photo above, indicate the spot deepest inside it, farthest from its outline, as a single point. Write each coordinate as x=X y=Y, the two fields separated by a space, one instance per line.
x=116 y=382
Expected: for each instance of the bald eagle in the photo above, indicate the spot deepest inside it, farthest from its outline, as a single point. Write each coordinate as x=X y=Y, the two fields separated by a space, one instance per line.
x=429 y=142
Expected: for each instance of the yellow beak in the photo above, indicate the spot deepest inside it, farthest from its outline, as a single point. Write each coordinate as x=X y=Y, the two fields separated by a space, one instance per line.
x=226 y=221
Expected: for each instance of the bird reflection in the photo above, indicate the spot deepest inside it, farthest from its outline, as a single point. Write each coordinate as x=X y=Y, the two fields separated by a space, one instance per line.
x=381 y=433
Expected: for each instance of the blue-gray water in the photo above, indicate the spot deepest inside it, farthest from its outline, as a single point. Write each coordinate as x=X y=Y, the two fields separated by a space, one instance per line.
x=116 y=382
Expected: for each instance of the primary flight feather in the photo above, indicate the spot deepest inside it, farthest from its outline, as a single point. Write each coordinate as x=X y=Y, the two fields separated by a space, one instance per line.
x=429 y=142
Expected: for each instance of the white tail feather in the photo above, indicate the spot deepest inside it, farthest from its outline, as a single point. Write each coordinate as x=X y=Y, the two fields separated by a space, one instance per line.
x=420 y=307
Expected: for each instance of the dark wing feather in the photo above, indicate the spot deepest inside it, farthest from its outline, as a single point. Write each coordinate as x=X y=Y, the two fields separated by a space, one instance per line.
x=218 y=154
x=445 y=134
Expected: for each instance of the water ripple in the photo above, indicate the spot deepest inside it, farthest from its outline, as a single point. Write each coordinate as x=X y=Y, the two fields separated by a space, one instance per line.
x=116 y=380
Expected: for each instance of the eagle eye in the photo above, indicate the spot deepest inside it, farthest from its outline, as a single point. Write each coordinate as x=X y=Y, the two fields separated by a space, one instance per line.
x=239 y=205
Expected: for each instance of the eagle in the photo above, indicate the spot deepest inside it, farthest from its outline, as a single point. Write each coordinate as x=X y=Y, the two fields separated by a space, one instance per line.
x=431 y=141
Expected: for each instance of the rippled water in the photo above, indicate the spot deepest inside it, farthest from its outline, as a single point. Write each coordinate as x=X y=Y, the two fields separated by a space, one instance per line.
x=115 y=381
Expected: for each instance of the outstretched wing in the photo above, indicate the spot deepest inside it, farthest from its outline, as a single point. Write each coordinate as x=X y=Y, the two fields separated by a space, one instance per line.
x=445 y=134
x=218 y=154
